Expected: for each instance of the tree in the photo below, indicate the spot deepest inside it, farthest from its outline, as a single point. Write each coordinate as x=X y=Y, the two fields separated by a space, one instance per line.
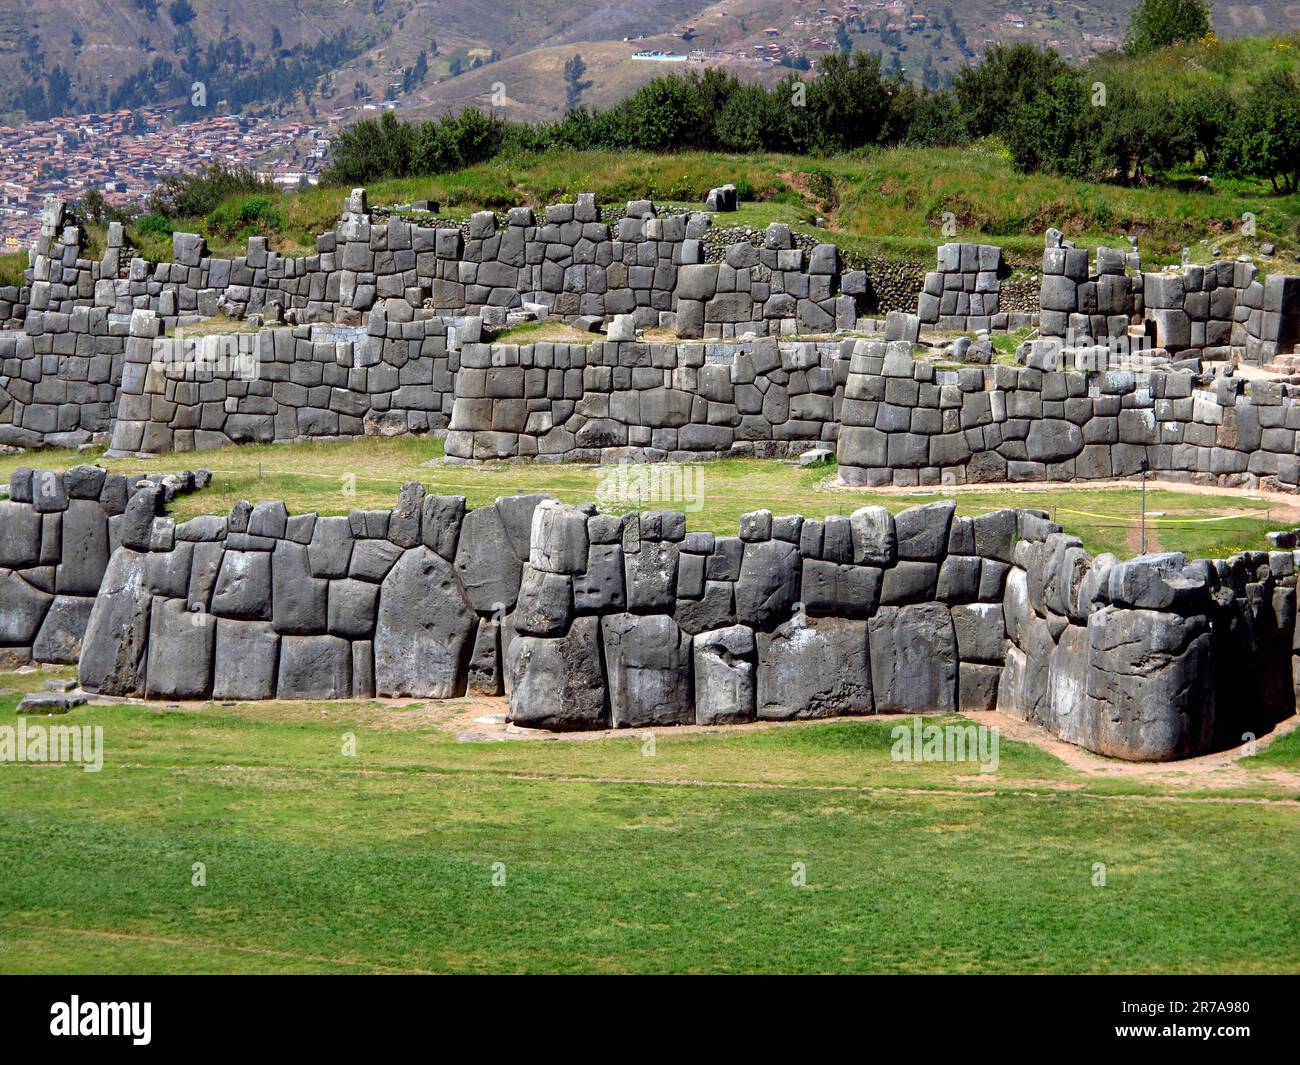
x=181 y=12
x=1157 y=23
x=1265 y=140
x=574 y=86
x=1050 y=131
x=1139 y=137
x=991 y=93
x=1208 y=119
x=842 y=40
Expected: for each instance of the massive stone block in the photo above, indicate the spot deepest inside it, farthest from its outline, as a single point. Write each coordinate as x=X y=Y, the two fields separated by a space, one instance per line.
x=22 y=609
x=487 y=564
x=314 y=667
x=649 y=665
x=246 y=660
x=724 y=676
x=814 y=667
x=243 y=588
x=299 y=601
x=62 y=630
x=113 y=651
x=424 y=629
x=85 y=548
x=557 y=682
x=1151 y=683
x=180 y=651
x=20 y=535
x=913 y=659
x=769 y=582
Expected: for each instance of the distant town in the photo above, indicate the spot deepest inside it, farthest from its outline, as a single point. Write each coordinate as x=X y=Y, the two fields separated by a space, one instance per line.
x=125 y=154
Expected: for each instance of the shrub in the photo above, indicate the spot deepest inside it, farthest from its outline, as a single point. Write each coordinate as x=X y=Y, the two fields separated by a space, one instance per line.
x=239 y=219
x=200 y=194
x=1157 y=23
x=154 y=224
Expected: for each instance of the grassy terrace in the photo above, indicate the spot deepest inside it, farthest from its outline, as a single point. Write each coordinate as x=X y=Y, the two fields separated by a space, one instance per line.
x=615 y=860
x=332 y=478
x=874 y=203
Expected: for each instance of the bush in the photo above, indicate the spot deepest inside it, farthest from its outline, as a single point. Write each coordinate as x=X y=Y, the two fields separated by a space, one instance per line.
x=201 y=193
x=154 y=224
x=991 y=94
x=1158 y=23
x=1265 y=138
x=240 y=219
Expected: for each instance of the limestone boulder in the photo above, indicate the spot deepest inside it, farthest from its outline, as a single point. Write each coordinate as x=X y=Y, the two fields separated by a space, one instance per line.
x=113 y=651
x=649 y=664
x=557 y=682
x=724 y=675
x=913 y=659
x=424 y=629
x=814 y=667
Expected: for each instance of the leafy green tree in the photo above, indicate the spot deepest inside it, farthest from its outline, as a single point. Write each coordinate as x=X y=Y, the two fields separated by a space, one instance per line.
x=181 y=12
x=1051 y=130
x=1265 y=140
x=1009 y=76
x=1138 y=138
x=1207 y=119
x=200 y=193
x=1157 y=23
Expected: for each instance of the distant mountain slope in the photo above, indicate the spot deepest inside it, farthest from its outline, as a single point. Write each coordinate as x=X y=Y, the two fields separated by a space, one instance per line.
x=293 y=56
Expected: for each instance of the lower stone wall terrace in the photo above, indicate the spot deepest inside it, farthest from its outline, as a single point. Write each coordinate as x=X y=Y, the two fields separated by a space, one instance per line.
x=57 y=533
x=589 y=620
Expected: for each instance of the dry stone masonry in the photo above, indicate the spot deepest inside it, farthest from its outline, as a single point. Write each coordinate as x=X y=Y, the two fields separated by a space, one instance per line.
x=57 y=533
x=904 y=422
x=588 y=620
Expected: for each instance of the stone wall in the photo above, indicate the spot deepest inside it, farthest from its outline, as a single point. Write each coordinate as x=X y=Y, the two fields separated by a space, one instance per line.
x=904 y=422
x=57 y=532
x=1220 y=311
x=609 y=401
x=262 y=604
x=59 y=377
x=569 y=262
x=588 y=620
x=964 y=293
x=394 y=375
x=1151 y=659
x=778 y=288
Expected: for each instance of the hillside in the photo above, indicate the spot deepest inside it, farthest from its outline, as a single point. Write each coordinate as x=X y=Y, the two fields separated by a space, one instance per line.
x=882 y=203
x=300 y=56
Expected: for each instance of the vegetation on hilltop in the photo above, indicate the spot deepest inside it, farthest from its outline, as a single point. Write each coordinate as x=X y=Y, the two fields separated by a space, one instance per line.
x=1054 y=119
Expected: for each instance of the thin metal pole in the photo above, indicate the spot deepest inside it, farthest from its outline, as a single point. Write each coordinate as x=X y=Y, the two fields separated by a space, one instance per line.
x=1144 y=508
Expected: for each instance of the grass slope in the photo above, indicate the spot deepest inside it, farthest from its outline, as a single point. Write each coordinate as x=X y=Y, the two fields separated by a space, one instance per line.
x=613 y=860
x=890 y=202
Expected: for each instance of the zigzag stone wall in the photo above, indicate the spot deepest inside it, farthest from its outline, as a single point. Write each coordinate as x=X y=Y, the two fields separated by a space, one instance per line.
x=395 y=375
x=57 y=533
x=1218 y=311
x=610 y=401
x=568 y=262
x=904 y=422
x=261 y=604
x=589 y=620
x=59 y=377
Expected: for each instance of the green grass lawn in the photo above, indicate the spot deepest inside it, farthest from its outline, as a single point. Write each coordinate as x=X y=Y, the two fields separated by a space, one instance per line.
x=335 y=477
x=615 y=860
